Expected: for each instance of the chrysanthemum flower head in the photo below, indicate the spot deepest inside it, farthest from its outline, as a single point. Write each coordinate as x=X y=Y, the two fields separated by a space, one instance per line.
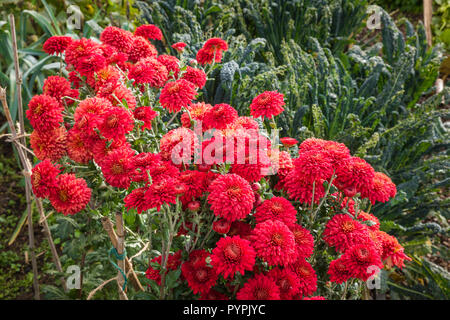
x=118 y=38
x=116 y=123
x=361 y=259
x=268 y=104
x=149 y=31
x=288 y=142
x=231 y=197
x=274 y=243
x=381 y=189
x=200 y=276
x=172 y=64
x=77 y=149
x=178 y=145
x=306 y=275
x=173 y=262
x=145 y=114
x=117 y=167
x=71 y=194
x=179 y=46
x=149 y=70
x=286 y=280
x=196 y=76
x=197 y=112
x=231 y=255
x=220 y=116
x=276 y=208
x=56 y=44
x=338 y=271
x=43 y=178
x=260 y=287
x=44 y=113
x=141 y=49
x=354 y=173
x=59 y=88
x=343 y=232
x=304 y=241
x=49 y=144
x=160 y=192
x=177 y=94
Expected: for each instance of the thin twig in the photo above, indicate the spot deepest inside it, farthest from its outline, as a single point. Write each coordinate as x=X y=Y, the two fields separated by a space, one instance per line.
x=91 y=294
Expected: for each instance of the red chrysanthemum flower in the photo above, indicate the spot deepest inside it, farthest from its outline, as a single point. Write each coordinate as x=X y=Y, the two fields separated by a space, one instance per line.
x=149 y=70
x=49 y=144
x=145 y=114
x=274 y=243
x=313 y=166
x=89 y=114
x=246 y=123
x=141 y=49
x=213 y=295
x=71 y=194
x=179 y=46
x=172 y=64
x=221 y=226
x=335 y=152
x=43 y=178
x=196 y=76
x=392 y=251
x=121 y=39
x=338 y=271
x=301 y=189
x=231 y=255
x=161 y=191
x=107 y=79
x=116 y=95
x=117 y=167
x=364 y=216
x=136 y=200
x=205 y=57
x=56 y=44
x=288 y=142
x=220 y=116
x=101 y=148
x=231 y=197
x=361 y=259
x=200 y=277
x=306 y=275
x=193 y=180
x=354 y=174
x=177 y=94
x=173 y=262
x=304 y=241
x=79 y=50
x=58 y=88
x=215 y=44
x=149 y=31
x=77 y=149
x=267 y=104
x=260 y=287
x=197 y=113
x=88 y=65
x=343 y=232
x=178 y=145
x=116 y=123
x=287 y=281
x=44 y=113
x=381 y=189
x=276 y=208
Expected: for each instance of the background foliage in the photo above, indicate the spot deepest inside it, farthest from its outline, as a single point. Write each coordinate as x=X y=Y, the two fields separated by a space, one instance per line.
x=370 y=89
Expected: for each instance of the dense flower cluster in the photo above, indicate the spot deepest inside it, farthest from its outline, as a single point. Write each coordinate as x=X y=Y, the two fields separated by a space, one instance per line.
x=235 y=200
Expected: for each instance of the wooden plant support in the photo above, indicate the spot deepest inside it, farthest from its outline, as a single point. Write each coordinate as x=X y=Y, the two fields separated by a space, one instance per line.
x=19 y=141
x=427 y=15
x=128 y=267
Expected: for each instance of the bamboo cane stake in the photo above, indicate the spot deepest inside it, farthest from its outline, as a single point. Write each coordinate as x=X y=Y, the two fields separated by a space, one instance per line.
x=120 y=251
x=427 y=15
x=27 y=174
x=109 y=228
